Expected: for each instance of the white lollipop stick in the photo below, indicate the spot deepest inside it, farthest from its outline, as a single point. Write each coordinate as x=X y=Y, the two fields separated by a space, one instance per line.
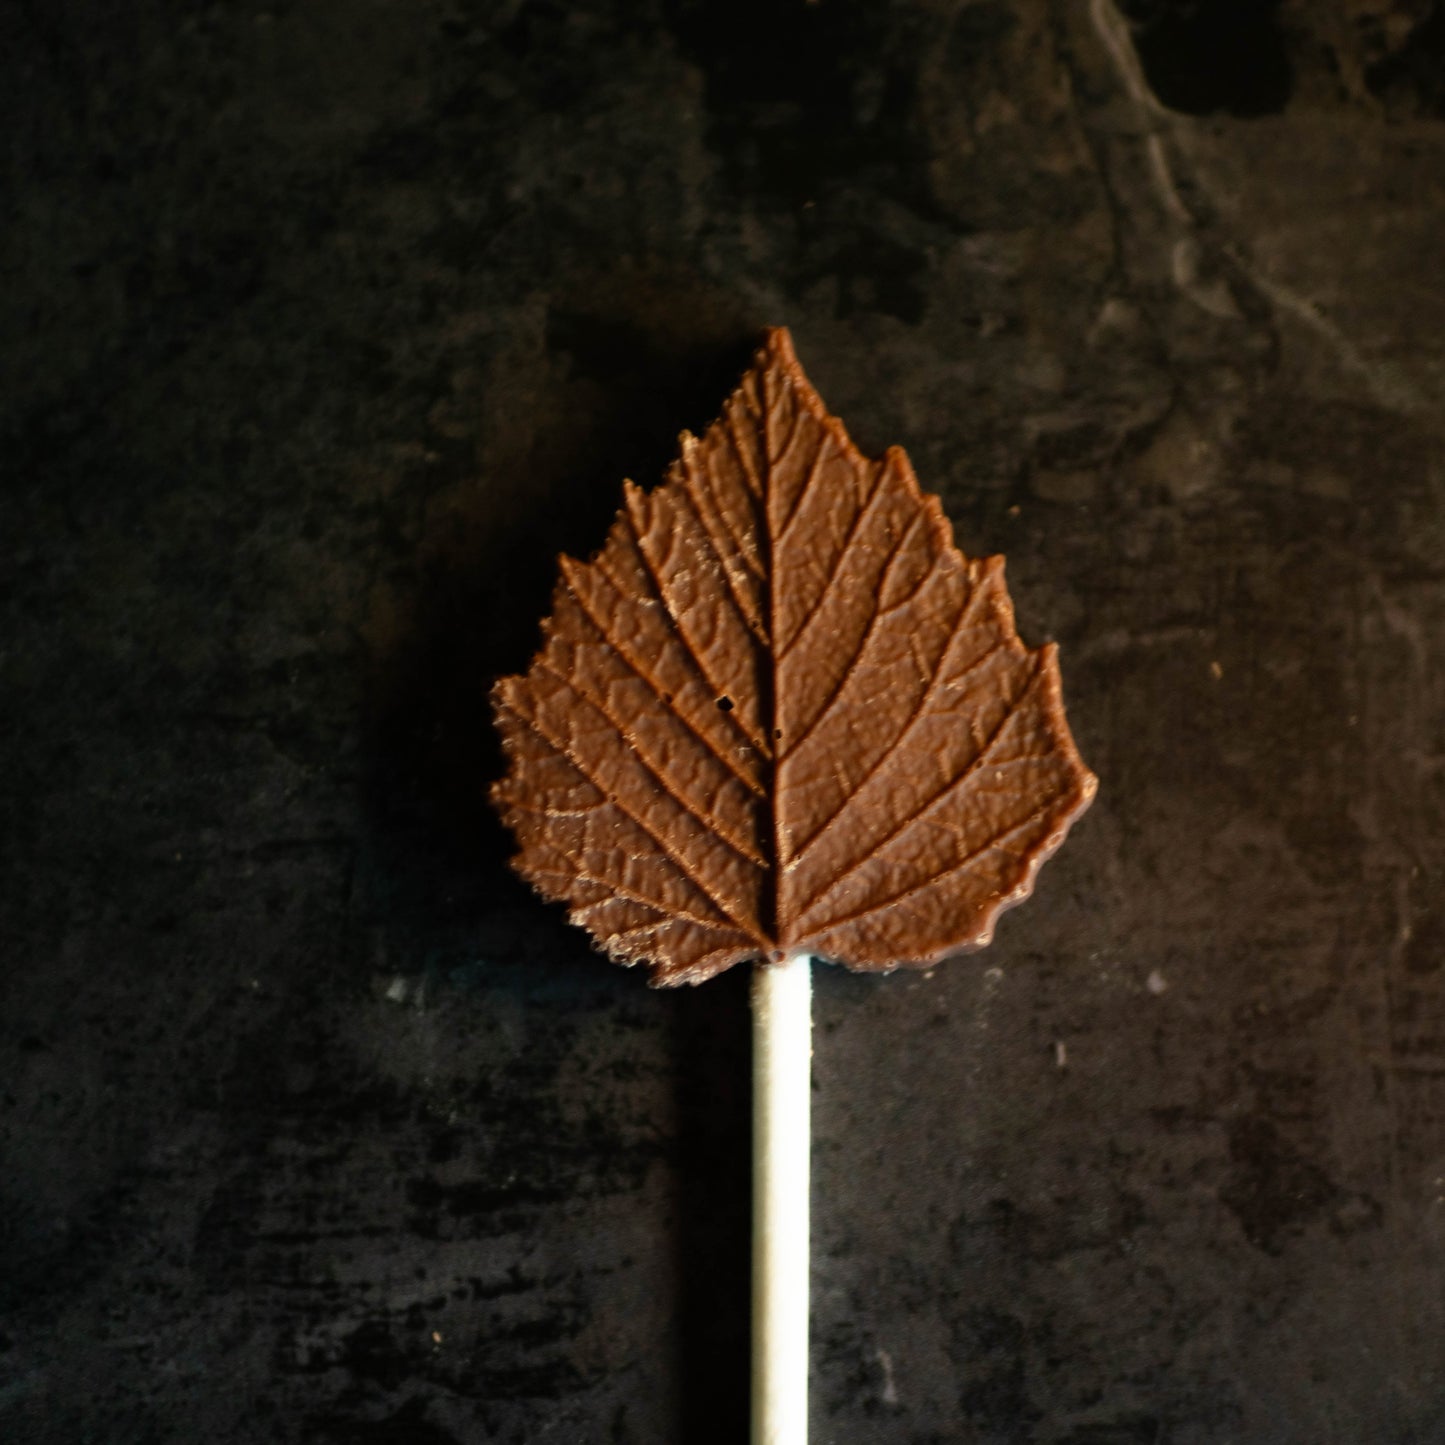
x=782 y=1106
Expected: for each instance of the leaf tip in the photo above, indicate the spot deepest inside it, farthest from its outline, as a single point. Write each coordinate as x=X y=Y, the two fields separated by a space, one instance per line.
x=778 y=343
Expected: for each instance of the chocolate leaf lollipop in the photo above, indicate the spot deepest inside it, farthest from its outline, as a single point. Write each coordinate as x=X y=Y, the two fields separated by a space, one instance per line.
x=780 y=713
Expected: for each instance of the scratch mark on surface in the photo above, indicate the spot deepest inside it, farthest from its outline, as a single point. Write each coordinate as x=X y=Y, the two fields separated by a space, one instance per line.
x=1384 y=380
x=890 y=1388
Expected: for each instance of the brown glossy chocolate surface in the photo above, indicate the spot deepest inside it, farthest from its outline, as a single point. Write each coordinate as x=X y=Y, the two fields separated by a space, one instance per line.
x=780 y=712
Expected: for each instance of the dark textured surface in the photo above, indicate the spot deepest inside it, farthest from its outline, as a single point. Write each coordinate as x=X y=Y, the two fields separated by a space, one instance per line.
x=323 y=327
x=779 y=713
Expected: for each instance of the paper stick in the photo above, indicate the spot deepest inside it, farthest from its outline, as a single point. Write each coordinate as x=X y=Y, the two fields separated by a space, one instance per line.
x=782 y=1109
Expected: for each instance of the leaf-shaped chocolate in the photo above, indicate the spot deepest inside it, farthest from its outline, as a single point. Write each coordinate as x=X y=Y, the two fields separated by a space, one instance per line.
x=779 y=712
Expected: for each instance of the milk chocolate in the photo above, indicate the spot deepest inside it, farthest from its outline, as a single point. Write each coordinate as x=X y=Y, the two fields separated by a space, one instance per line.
x=780 y=712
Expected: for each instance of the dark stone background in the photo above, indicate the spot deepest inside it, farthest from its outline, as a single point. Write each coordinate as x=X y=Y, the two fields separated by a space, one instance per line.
x=323 y=326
